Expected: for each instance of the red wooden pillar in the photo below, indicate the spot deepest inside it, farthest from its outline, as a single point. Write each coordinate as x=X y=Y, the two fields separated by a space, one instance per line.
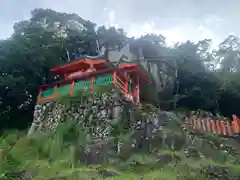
x=213 y=126
x=114 y=77
x=218 y=127
x=229 y=129
x=92 y=82
x=73 y=85
x=208 y=125
x=126 y=83
x=39 y=96
x=93 y=78
x=136 y=90
x=223 y=127
x=236 y=125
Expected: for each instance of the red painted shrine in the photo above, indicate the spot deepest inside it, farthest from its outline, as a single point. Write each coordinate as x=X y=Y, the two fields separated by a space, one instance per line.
x=87 y=74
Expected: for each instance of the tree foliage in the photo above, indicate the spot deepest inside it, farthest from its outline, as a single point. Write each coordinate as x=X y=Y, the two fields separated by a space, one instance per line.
x=208 y=79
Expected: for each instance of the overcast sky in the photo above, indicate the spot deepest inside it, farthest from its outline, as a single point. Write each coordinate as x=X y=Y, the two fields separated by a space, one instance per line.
x=178 y=20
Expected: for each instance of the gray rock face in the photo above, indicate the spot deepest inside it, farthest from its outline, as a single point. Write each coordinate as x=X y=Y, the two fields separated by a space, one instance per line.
x=163 y=71
x=100 y=112
x=97 y=110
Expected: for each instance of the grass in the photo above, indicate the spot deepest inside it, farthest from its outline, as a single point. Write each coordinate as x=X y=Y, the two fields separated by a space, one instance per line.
x=57 y=154
x=51 y=156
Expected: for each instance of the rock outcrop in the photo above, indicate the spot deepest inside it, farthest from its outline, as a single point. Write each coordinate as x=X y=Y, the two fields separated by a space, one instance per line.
x=163 y=71
x=98 y=109
x=140 y=139
x=119 y=129
x=103 y=112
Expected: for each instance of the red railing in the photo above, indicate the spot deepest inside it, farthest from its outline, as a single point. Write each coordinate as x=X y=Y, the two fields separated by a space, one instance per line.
x=122 y=83
x=119 y=80
x=207 y=125
x=91 y=83
x=55 y=95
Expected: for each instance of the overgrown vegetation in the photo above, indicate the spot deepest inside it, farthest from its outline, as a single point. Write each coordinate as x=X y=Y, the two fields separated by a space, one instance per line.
x=207 y=79
x=63 y=153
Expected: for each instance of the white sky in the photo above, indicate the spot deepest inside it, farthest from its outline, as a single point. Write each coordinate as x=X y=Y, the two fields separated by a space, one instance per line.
x=177 y=20
x=177 y=33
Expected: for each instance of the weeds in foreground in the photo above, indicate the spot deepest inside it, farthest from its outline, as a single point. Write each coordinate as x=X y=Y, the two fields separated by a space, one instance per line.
x=57 y=155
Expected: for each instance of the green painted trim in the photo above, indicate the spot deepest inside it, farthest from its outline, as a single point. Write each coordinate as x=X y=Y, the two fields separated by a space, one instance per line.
x=65 y=89
x=47 y=93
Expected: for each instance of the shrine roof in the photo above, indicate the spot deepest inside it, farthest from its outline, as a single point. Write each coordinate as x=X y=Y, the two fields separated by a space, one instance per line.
x=78 y=64
x=124 y=67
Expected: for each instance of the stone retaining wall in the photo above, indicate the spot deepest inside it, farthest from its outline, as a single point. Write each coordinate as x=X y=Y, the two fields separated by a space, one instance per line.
x=98 y=110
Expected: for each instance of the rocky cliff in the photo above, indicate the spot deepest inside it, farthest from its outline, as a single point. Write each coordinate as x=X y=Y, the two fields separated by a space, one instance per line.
x=98 y=109
x=103 y=127
x=101 y=111
x=163 y=71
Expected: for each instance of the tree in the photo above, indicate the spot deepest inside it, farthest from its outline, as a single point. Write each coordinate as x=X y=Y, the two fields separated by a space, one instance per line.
x=229 y=54
x=35 y=46
x=207 y=79
x=197 y=85
x=112 y=36
x=153 y=46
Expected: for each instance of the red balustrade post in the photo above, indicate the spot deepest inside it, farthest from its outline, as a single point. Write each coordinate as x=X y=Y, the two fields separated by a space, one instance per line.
x=92 y=83
x=213 y=126
x=126 y=86
x=203 y=125
x=114 y=77
x=208 y=125
x=39 y=95
x=136 y=90
x=73 y=85
x=218 y=127
x=235 y=124
x=223 y=127
x=229 y=129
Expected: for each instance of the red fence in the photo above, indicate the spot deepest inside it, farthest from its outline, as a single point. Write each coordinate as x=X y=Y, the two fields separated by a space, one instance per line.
x=208 y=125
x=125 y=85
